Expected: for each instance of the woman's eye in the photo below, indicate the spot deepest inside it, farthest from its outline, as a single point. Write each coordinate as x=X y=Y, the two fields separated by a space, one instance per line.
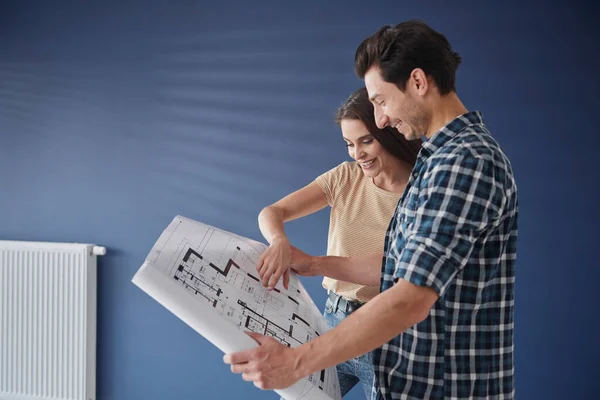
x=348 y=145
x=368 y=141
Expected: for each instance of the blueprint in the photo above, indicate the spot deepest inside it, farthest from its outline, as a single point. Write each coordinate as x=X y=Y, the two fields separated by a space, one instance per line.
x=207 y=277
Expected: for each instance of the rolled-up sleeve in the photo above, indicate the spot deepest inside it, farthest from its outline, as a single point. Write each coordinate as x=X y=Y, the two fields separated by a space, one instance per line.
x=456 y=202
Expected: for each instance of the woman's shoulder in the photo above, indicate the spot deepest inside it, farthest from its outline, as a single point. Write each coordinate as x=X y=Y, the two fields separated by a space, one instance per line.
x=349 y=168
x=340 y=179
x=348 y=175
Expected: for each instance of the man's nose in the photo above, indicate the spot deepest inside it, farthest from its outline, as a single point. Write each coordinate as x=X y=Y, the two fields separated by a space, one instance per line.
x=381 y=119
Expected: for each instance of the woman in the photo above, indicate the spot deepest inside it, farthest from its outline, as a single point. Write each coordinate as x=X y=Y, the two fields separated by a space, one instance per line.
x=363 y=196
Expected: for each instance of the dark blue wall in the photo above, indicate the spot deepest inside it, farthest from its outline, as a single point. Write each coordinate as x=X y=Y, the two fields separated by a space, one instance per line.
x=114 y=118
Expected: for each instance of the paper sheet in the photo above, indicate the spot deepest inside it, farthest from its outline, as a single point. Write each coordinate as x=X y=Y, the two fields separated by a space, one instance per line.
x=207 y=277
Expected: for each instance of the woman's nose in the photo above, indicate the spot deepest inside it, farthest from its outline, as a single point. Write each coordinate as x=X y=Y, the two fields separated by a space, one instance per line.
x=360 y=153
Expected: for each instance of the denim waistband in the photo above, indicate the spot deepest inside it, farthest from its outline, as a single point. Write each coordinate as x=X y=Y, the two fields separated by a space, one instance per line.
x=340 y=303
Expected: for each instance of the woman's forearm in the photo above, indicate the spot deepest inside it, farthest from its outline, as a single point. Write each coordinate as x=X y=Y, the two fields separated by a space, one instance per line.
x=270 y=222
x=364 y=270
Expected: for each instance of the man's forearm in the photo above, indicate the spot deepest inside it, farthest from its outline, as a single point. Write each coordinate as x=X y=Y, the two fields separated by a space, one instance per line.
x=375 y=323
x=364 y=270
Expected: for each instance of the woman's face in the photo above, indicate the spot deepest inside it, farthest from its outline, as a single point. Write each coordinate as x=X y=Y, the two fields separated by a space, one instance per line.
x=364 y=148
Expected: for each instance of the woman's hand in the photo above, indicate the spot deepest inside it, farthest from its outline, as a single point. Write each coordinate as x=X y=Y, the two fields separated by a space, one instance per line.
x=274 y=263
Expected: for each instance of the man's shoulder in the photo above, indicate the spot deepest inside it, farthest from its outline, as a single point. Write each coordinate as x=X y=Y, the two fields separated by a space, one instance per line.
x=473 y=143
x=474 y=153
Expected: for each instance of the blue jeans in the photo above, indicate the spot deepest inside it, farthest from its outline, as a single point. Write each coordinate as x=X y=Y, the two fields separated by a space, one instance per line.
x=358 y=369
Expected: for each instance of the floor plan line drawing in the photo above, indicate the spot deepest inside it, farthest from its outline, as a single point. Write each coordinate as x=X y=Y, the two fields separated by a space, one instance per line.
x=201 y=273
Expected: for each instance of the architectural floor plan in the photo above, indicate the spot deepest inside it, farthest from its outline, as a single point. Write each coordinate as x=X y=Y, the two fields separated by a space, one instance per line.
x=208 y=278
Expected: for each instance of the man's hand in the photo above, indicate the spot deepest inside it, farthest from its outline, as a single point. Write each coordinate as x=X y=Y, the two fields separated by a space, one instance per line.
x=274 y=263
x=270 y=366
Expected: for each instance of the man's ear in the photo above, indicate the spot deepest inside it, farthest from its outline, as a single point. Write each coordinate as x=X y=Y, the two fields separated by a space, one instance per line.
x=418 y=79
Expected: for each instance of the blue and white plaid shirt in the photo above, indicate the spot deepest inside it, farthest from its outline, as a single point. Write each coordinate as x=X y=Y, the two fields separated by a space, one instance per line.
x=454 y=231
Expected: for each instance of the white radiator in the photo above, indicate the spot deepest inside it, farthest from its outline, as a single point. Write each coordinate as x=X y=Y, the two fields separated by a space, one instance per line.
x=48 y=320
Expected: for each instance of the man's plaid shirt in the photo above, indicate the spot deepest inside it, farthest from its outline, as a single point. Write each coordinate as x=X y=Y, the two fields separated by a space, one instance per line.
x=454 y=231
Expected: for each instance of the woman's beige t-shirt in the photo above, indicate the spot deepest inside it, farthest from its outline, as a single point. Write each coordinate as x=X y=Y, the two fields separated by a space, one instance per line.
x=360 y=215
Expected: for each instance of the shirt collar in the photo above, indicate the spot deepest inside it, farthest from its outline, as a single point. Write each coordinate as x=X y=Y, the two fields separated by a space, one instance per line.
x=451 y=129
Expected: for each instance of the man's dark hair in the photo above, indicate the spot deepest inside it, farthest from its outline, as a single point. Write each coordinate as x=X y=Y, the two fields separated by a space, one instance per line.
x=398 y=50
x=358 y=107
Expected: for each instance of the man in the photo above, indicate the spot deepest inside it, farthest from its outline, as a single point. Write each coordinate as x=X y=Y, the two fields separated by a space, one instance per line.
x=442 y=326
